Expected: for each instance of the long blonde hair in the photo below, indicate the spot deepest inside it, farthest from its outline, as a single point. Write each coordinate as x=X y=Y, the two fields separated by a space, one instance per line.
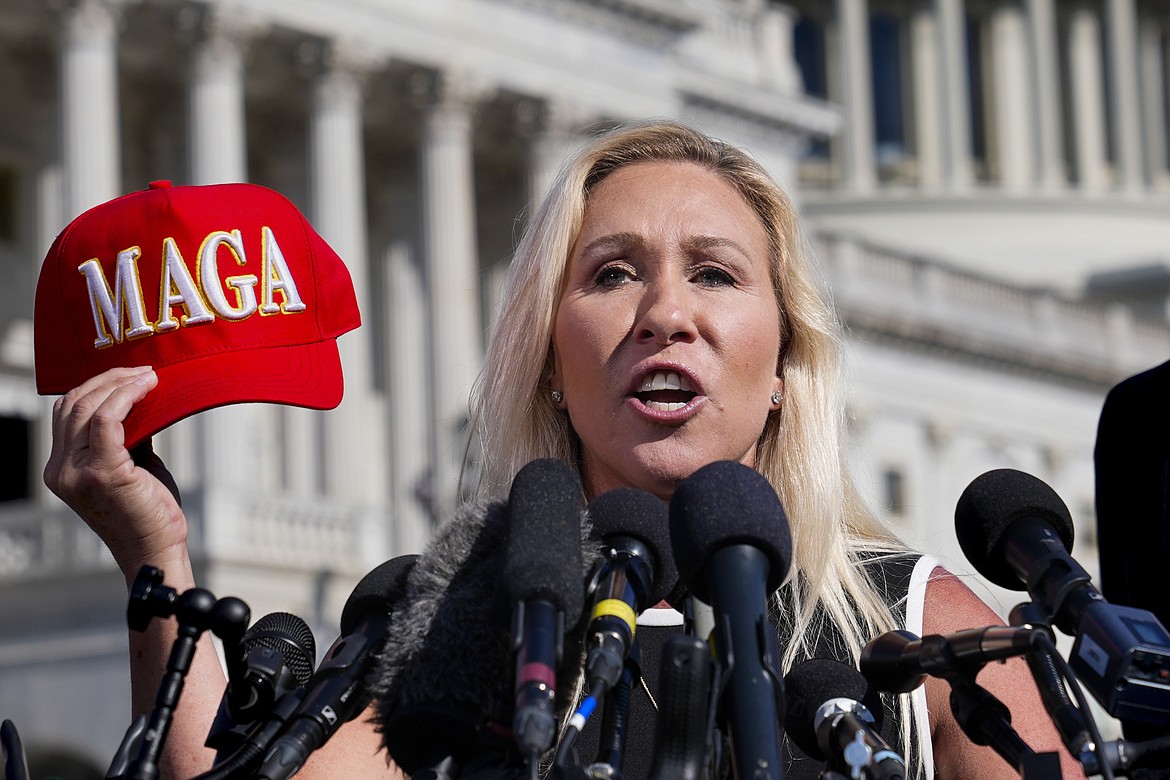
x=801 y=449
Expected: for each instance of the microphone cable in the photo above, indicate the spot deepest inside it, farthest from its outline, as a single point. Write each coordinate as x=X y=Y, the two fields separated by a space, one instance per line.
x=577 y=722
x=1050 y=671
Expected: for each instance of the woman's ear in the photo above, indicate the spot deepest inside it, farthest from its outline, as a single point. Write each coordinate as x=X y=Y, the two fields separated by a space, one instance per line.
x=555 y=384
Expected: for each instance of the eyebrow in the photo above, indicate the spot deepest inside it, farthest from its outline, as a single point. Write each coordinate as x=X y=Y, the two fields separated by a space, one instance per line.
x=627 y=239
x=612 y=241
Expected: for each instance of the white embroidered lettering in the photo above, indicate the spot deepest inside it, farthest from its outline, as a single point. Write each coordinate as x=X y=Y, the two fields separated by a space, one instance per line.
x=277 y=277
x=177 y=288
x=244 y=286
x=122 y=304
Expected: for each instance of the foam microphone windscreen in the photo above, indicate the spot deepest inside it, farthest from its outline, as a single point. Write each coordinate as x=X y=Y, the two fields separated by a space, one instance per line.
x=813 y=682
x=446 y=653
x=381 y=589
x=542 y=555
x=722 y=504
x=643 y=516
x=991 y=505
x=443 y=685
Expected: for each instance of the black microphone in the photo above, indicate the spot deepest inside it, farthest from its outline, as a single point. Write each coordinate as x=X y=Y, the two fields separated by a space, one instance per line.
x=336 y=693
x=831 y=718
x=732 y=547
x=443 y=688
x=1017 y=532
x=541 y=580
x=897 y=661
x=12 y=749
x=275 y=656
x=636 y=572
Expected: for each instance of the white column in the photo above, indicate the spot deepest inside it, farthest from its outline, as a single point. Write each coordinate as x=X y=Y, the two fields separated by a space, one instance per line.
x=1121 y=27
x=1046 y=95
x=554 y=129
x=355 y=462
x=954 y=102
x=856 y=95
x=1012 y=101
x=778 y=61
x=404 y=295
x=218 y=129
x=89 y=112
x=235 y=443
x=448 y=199
x=1088 y=98
x=1154 y=67
x=928 y=127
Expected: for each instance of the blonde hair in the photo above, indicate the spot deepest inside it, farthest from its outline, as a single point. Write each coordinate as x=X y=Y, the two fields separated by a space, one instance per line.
x=800 y=451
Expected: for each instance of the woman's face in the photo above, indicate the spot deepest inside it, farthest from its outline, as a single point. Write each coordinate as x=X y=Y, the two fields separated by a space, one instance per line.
x=666 y=336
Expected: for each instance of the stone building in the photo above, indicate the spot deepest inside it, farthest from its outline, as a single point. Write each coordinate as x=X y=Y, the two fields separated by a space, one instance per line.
x=986 y=183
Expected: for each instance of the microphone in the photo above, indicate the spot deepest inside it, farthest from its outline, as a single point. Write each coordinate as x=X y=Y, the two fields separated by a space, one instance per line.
x=732 y=547
x=336 y=693
x=12 y=748
x=276 y=655
x=897 y=661
x=828 y=720
x=541 y=580
x=1017 y=532
x=636 y=572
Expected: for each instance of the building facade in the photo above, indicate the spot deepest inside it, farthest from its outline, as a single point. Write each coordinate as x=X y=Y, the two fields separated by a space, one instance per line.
x=986 y=184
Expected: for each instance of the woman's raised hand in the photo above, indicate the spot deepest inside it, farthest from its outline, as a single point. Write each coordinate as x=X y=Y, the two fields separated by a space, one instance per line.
x=128 y=498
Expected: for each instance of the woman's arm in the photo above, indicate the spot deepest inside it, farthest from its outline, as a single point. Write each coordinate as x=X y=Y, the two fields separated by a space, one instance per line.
x=951 y=606
x=130 y=501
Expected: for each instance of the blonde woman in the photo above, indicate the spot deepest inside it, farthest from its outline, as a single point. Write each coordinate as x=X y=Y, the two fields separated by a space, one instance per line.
x=661 y=315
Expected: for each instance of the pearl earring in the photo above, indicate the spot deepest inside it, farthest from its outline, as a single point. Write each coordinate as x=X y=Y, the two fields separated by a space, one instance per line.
x=777 y=397
x=557 y=396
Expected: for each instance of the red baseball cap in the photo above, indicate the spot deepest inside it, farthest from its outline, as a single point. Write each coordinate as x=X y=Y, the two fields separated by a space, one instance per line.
x=225 y=290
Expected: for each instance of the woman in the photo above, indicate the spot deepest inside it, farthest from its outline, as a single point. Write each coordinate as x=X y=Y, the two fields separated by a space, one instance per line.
x=661 y=316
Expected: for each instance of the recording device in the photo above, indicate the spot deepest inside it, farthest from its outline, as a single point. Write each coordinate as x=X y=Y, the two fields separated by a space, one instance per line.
x=337 y=692
x=828 y=720
x=897 y=661
x=636 y=572
x=275 y=656
x=1016 y=531
x=732 y=547
x=541 y=579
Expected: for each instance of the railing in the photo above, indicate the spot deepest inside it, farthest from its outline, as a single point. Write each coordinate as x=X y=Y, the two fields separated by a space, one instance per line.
x=913 y=297
x=301 y=532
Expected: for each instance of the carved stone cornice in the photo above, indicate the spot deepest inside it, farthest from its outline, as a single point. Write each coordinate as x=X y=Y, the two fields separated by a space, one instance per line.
x=925 y=307
x=764 y=108
x=658 y=22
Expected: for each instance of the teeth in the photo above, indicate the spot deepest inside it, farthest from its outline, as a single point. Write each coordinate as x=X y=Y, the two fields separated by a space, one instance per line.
x=662 y=406
x=665 y=380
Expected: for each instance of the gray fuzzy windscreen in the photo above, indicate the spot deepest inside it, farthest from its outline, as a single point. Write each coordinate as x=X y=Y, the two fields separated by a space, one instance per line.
x=444 y=684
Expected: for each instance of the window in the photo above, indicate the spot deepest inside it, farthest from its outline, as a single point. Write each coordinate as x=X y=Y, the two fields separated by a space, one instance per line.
x=16 y=479
x=894 y=488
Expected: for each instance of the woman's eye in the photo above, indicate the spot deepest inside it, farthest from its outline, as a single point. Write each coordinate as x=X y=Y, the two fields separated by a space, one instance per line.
x=612 y=276
x=714 y=277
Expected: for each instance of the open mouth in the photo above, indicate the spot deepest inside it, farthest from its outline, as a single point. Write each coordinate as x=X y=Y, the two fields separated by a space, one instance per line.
x=665 y=391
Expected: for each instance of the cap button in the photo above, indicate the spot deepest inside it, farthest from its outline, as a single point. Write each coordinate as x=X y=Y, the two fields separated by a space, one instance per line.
x=160 y=184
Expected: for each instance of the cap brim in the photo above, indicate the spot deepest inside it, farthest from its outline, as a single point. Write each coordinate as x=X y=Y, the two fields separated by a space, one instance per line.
x=307 y=375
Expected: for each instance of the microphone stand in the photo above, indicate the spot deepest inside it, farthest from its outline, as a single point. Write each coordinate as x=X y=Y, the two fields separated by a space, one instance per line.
x=987 y=721
x=196 y=610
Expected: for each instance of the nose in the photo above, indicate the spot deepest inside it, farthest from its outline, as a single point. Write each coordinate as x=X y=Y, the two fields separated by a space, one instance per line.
x=666 y=314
